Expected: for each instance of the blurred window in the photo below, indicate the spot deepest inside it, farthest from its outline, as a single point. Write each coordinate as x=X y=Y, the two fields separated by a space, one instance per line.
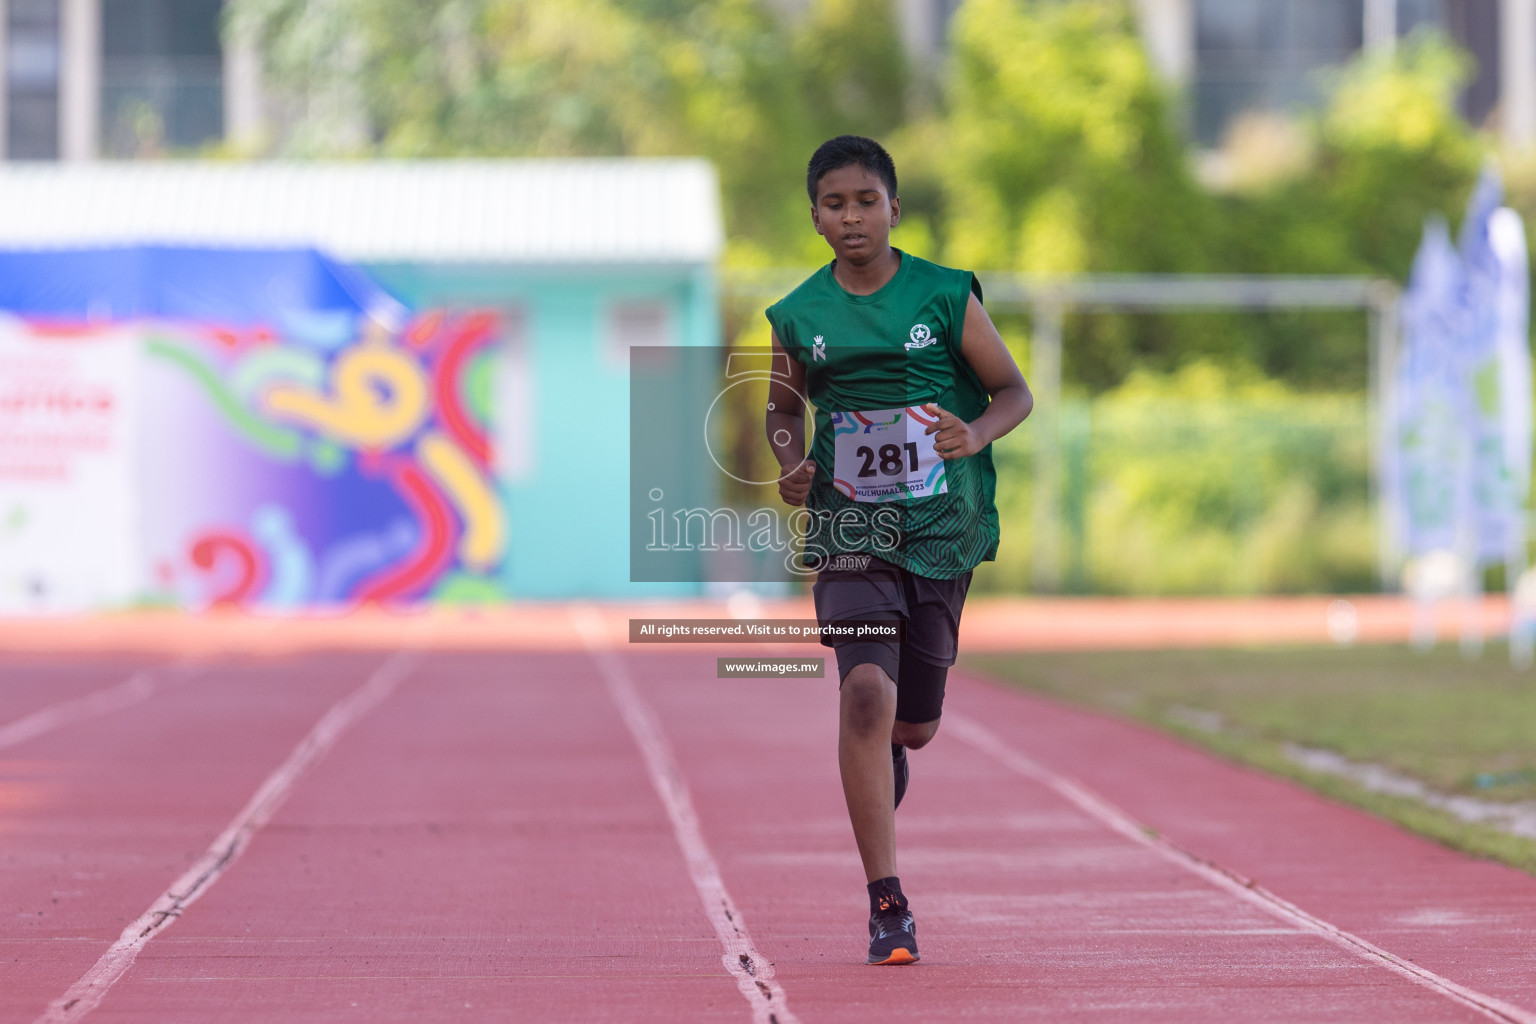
x=32 y=79
x=943 y=14
x=1474 y=24
x=162 y=75
x=1265 y=55
x=635 y=322
x=1412 y=14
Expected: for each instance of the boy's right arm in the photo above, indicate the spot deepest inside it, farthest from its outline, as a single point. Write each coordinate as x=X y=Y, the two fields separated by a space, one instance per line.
x=785 y=423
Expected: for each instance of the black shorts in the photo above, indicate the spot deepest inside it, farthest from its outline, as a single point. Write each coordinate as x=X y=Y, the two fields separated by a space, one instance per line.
x=866 y=588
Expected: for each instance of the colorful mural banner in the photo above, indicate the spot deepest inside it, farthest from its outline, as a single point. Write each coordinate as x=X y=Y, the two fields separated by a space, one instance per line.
x=69 y=490
x=200 y=466
x=307 y=475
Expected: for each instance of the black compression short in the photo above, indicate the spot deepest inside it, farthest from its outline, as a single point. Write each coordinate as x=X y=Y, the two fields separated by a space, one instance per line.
x=865 y=588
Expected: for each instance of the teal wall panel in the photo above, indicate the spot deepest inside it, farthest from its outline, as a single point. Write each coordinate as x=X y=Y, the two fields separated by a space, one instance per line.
x=569 y=504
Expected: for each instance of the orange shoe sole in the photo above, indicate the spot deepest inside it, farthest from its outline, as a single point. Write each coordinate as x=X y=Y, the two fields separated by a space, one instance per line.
x=896 y=959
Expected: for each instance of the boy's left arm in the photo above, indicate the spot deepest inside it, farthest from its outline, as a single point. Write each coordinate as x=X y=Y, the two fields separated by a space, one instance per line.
x=983 y=349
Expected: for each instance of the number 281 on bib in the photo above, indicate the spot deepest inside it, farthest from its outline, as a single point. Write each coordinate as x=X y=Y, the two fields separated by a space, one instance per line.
x=885 y=455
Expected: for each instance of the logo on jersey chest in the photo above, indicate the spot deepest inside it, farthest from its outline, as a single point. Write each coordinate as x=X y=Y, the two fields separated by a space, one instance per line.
x=921 y=337
x=818 y=349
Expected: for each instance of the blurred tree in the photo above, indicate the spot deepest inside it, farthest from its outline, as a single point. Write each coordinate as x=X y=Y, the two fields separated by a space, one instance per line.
x=1053 y=148
x=1050 y=147
x=1060 y=156
x=1388 y=148
x=727 y=79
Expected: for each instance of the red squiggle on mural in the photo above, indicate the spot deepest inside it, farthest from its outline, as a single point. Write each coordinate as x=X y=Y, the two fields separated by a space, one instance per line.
x=472 y=332
x=238 y=339
x=433 y=552
x=423 y=332
x=250 y=572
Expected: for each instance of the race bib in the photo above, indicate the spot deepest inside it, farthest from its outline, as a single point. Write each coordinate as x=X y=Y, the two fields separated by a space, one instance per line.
x=883 y=455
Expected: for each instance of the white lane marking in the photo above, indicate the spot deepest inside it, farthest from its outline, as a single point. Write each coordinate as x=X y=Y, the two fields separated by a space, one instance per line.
x=752 y=971
x=86 y=994
x=1246 y=889
x=130 y=691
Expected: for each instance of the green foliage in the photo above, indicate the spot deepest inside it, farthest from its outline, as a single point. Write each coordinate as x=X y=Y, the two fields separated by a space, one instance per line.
x=727 y=79
x=1060 y=156
x=469 y=77
x=1388 y=149
x=1045 y=143
x=1053 y=146
x=1436 y=717
x=1207 y=484
x=1201 y=482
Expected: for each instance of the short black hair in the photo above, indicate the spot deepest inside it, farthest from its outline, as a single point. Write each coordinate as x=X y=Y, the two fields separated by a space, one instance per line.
x=845 y=150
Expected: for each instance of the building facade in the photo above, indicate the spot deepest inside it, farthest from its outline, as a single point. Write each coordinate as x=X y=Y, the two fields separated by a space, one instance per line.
x=85 y=79
x=1228 y=57
x=570 y=286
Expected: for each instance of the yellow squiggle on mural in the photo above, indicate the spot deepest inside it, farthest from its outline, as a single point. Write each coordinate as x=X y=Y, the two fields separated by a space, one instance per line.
x=485 y=532
x=378 y=397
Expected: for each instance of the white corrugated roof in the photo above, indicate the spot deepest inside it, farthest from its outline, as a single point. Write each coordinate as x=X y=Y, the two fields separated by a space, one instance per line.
x=500 y=211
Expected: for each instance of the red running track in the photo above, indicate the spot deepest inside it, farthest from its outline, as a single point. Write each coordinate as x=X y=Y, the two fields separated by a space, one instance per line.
x=496 y=836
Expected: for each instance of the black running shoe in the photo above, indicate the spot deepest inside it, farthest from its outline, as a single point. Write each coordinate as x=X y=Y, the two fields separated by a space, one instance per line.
x=892 y=936
x=899 y=764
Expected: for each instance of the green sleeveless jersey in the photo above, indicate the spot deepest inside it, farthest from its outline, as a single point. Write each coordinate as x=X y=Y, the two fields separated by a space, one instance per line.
x=871 y=362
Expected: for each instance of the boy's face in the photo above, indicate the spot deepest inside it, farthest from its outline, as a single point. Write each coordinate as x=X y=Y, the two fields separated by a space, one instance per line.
x=855 y=214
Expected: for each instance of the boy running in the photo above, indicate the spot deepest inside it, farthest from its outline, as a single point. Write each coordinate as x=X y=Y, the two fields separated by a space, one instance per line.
x=911 y=385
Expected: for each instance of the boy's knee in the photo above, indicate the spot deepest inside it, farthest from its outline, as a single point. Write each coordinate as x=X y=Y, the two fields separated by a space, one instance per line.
x=914 y=735
x=868 y=699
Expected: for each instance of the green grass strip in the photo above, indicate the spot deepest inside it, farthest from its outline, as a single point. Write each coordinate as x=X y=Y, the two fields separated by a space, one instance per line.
x=1454 y=724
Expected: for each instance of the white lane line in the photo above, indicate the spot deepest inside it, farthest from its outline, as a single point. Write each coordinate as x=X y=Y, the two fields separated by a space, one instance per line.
x=130 y=691
x=86 y=994
x=752 y=971
x=1246 y=889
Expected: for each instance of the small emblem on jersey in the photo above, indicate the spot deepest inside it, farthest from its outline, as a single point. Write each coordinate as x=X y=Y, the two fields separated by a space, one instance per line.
x=921 y=336
x=818 y=349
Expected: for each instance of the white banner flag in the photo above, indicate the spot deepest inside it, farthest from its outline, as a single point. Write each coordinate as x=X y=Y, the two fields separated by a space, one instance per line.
x=1426 y=422
x=1491 y=400
x=1506 y=236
